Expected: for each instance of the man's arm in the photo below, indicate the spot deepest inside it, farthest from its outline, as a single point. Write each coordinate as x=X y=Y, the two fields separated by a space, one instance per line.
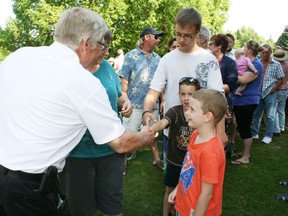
x=204 y=199
x=132 y=141
x=149 y=102
x=124 y=84
x=162 y=99
x=277 y=85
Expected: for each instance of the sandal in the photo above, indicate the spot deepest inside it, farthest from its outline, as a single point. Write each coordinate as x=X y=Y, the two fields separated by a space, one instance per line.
x=159 y=164
x=239 y=154
x=283 y=197
x=132 y=156
x=284 y=182
x=239 y=162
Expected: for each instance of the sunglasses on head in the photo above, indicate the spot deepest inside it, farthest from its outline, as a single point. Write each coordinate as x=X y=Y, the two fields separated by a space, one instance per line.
x=191 y=80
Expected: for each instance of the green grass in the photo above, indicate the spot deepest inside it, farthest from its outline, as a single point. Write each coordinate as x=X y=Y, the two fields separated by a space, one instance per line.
x=248 y=189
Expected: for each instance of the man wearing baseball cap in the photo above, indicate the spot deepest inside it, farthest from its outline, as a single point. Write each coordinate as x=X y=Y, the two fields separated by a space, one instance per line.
x=138 y=70
x=150 y=30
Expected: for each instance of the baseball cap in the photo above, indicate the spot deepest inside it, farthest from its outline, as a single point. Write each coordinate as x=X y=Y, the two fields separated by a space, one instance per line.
x=150 y=30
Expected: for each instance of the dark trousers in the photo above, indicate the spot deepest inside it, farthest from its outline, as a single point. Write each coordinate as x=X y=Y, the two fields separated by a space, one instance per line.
x=244 y=115
x=19 y=196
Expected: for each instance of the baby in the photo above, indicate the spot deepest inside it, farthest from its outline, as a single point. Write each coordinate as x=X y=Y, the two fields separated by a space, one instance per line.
x=243 y=64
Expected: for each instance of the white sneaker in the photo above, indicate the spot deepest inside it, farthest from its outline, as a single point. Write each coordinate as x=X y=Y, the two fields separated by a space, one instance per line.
x=255 y=136
x=267 y=140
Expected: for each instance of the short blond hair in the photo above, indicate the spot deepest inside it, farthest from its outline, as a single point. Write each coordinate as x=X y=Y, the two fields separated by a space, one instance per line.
x=212 y=101
x=239 y=52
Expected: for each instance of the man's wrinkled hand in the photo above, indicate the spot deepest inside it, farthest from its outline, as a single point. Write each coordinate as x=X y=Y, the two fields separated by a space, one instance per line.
x=148 y=135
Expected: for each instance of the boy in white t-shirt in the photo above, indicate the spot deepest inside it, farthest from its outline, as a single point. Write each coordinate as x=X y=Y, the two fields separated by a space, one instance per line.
x=189 y=60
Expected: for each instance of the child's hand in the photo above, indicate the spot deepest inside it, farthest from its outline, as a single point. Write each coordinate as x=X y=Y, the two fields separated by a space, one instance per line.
x=172 y=196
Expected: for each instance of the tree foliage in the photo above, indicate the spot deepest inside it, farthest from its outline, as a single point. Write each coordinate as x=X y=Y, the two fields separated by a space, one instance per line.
x=245 y=34
x=283 y=39
x=35 y=19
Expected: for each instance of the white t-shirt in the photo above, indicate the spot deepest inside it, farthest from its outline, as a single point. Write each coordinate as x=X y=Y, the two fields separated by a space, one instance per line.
x=47 y=102
x=176 y=65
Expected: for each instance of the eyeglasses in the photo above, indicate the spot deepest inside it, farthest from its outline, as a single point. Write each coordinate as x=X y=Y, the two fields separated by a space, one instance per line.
x=191 y=80
x=156 y=37
x=103 y=46
x=184 y=36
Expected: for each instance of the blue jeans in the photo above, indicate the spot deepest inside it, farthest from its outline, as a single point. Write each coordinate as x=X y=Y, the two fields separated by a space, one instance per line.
x=280 y=110
x=267 y=103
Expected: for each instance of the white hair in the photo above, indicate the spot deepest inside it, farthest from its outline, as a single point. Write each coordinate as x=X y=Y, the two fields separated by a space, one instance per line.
x=77 y=24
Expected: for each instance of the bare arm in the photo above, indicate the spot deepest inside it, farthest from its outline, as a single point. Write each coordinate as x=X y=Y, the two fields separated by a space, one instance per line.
x=172 y=196
x=125 y=105
x=161 y=105
x=132 y=141
x=277 y=85
x=247 y=77
x=161 y=125
x=149 y=102
x=221 y=132
x=124 y=84
x=226 y=88
x=204 y=199
x=252 y=67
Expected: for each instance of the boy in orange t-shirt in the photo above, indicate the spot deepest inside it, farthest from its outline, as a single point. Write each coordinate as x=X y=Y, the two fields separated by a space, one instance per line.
x=200 y=186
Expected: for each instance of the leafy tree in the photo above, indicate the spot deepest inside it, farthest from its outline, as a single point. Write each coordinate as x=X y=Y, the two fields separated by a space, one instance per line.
x=33 y=26
x=283 y=39
x=35 y=19
x=245 y=34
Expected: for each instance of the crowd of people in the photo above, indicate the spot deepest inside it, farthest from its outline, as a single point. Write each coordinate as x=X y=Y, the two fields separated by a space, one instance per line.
x=65 y=140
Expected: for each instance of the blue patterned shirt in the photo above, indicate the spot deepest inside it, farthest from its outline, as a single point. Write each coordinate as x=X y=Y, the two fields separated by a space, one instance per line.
x=139 y=70
x=272 y=74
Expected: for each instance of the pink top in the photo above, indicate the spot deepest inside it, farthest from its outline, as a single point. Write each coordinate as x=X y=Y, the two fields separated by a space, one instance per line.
x=242 y=64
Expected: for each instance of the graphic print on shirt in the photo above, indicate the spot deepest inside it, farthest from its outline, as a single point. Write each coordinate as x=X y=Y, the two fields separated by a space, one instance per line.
x=187 y=172
x=202 y=71
x=183 y=137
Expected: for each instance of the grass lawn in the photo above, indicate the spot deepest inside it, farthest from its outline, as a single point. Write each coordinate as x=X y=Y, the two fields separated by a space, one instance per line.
x=248 y=189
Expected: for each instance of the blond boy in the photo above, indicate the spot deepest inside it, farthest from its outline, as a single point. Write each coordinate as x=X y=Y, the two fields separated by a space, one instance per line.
x=178 y=139
x=200 y=187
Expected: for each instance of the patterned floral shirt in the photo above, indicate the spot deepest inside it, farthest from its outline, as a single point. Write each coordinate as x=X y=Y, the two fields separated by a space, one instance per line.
x=139 y=70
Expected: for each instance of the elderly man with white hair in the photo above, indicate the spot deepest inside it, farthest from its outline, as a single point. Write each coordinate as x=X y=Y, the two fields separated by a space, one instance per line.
x=48 y=100
x=203 y=37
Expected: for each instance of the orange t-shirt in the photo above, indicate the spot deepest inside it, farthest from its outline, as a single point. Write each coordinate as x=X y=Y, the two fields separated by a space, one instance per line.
x=204 y=162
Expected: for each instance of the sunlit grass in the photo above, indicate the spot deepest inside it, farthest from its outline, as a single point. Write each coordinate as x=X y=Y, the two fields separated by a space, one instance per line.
x=248 y=189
